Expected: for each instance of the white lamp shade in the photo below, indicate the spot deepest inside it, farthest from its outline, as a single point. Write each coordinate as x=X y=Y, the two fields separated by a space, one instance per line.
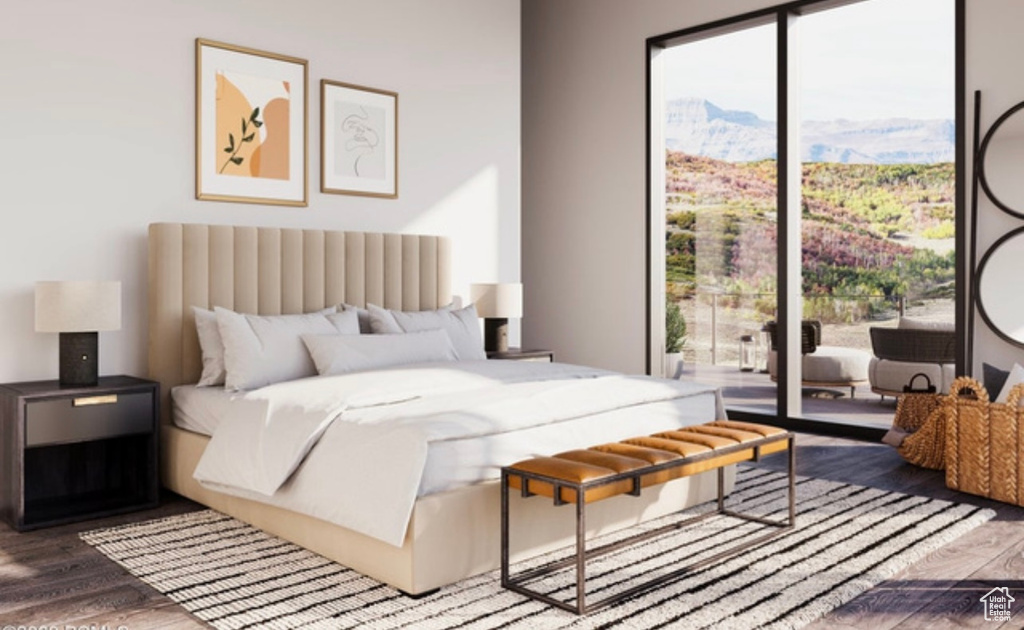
x=78 y=306
x=499 y=299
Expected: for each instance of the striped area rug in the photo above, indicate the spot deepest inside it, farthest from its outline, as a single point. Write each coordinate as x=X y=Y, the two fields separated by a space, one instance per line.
x=848 y=538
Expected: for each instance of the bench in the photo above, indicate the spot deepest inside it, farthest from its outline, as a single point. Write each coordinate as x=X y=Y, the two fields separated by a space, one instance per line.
x=584 y=476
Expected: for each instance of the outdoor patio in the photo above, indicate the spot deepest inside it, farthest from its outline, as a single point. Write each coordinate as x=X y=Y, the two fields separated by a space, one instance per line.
x=755 y=391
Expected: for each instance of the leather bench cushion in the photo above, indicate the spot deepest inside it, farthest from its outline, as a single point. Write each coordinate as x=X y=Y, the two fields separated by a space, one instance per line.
x=570 y=471
x=650 y=455
x=761 y=429
x=703 y=439
x=636 y=454
x=686 y=449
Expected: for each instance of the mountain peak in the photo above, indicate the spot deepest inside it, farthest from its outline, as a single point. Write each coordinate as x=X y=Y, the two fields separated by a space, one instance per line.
x=699 y=127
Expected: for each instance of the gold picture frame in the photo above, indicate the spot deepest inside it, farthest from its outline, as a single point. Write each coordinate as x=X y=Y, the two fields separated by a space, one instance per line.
x=358 y=140
x=252 y=125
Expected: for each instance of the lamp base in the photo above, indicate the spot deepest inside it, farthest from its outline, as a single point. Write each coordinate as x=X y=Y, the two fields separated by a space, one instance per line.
x=79 y=366
x=496 y=334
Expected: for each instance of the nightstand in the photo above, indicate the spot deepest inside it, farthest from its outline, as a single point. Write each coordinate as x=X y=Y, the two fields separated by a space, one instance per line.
x=518 y=354
x=69 y=454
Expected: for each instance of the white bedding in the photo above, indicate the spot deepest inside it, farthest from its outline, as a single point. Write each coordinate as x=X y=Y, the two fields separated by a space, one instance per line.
x=200 y=409
x=377 y=440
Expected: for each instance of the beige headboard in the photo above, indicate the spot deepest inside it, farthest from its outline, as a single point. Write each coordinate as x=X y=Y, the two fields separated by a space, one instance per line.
x=273 y=271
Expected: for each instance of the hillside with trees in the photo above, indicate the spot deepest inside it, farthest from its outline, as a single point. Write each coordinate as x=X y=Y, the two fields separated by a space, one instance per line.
x=871 y=233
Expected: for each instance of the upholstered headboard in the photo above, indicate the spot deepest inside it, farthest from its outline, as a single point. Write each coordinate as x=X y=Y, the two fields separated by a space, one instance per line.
x=273 y=271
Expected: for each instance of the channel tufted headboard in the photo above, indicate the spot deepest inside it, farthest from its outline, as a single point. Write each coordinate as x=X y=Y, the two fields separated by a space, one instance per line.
x=273 y=271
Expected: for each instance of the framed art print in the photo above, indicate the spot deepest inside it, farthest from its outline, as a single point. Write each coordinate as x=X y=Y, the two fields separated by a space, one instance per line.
x=358 y=140
x=251 y=125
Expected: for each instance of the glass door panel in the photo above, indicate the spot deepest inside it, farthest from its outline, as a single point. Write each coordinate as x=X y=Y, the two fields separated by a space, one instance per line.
x=877 y=111
x=720 y=211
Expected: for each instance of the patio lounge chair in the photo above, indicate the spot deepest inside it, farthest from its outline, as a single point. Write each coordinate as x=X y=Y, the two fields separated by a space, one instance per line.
x=911 y=348
x=823 y=366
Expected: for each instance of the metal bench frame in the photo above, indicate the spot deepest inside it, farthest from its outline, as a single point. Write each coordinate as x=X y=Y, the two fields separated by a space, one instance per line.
x=582 y=554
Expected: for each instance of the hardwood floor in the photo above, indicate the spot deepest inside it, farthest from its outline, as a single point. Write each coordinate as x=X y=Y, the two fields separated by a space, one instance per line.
x=944 y=589
x=51 y=577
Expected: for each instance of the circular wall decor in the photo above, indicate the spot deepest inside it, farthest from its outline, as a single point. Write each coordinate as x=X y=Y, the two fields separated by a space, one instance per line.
x=999 y=161
x=1000 y=292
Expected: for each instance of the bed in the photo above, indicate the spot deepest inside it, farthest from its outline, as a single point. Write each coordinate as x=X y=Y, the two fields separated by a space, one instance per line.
x=452 y=533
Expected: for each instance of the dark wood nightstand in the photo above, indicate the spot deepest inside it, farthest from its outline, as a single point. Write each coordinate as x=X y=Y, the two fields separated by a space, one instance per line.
x=518 y=354
x=70 y=454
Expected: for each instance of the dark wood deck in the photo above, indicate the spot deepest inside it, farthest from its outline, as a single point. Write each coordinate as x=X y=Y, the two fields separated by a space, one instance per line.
x=50 y=576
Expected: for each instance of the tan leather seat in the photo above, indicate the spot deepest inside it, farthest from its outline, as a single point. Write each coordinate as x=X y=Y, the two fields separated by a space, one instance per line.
x=761 y=429
x=635 y=455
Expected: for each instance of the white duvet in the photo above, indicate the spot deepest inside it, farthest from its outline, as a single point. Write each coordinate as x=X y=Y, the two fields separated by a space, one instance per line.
x=352 y=449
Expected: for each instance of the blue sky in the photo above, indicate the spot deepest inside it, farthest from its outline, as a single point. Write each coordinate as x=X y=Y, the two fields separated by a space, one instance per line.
x=874 y=59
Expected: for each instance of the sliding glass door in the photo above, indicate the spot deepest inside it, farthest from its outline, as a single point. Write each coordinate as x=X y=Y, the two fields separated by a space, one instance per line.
x=803 y=190
x=877 y=142
x=720 y=212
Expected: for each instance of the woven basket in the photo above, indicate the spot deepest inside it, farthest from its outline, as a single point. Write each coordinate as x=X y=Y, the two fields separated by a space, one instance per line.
x=920 y=412
x=984 y=442
x=916 y=405
x=926 y=447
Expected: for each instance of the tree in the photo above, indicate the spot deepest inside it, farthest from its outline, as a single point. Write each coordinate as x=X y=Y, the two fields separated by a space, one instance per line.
x=675 y=327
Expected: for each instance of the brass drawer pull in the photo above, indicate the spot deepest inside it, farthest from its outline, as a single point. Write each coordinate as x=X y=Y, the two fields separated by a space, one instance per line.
x=94 y=400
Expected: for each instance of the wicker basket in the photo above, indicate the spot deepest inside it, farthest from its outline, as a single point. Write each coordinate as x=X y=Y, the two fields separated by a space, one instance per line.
x=984 y=443
x=916 y=405
x=926 y=447
x=921 y=414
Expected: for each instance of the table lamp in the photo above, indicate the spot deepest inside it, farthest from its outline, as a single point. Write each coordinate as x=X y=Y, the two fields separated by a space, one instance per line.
x=496 y=303
x=78 y=310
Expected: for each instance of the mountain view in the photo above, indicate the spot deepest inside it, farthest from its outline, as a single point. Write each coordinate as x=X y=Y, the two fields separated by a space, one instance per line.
x=877 y=200
x=697 y=127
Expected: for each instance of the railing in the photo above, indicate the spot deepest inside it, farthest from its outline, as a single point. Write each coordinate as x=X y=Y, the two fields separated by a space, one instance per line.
x=845 y=318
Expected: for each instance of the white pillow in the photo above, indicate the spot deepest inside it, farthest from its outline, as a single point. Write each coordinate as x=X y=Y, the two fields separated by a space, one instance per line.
x=462 y=326
x=364 y=317
x=260 y=350
x=211 y=346
x=909 y=323
x=382 y=321
x=1016 y=376
x=340 y=354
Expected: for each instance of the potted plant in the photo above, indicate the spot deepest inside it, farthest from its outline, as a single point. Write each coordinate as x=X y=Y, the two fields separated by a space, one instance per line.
x=675 y=339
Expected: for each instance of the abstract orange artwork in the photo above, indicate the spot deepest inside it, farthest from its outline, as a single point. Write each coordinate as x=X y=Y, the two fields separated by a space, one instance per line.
x=250 y=125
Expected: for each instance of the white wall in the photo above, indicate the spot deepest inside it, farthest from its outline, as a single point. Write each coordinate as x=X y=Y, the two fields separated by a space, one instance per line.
x=584 y=181
x=584 y=155
x=994 y=46
x=97 y=127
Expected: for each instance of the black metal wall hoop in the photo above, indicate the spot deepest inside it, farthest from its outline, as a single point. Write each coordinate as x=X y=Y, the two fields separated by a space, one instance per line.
x=979 y=298
x=981 y=162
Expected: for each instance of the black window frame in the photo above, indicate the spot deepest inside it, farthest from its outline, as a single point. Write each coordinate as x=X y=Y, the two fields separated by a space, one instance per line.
x=781 y=15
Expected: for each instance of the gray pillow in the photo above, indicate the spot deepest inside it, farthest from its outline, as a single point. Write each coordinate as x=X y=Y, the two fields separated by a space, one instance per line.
x=382 y=322
x=211 y=346
x=261 y=350
x=341 y=354
x=362 y=314
x=993 y=379
x=462 y=326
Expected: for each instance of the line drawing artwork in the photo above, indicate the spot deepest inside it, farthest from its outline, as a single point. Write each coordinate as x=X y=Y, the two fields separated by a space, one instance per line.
x=360 y=140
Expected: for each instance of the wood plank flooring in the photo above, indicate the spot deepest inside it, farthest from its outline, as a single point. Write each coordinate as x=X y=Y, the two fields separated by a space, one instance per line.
x=51 y=577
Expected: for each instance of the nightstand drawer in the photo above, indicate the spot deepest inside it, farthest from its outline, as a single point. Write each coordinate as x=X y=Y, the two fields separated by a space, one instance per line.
x=61 y=420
